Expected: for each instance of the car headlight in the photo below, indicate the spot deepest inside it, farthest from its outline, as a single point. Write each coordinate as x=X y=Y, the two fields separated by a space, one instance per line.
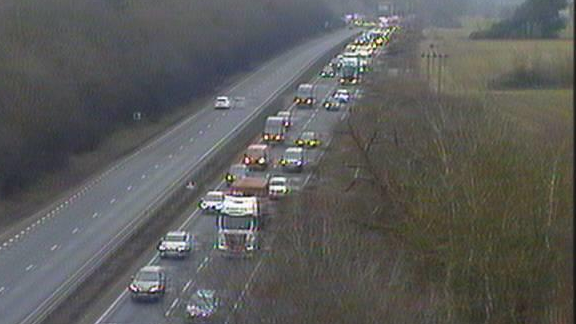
x=202 y=205
x=155 y=288
x=266 y=137
x=133 y=288
x=261 y=160
x=283 y=162
x=162 y=247
x=298 y=163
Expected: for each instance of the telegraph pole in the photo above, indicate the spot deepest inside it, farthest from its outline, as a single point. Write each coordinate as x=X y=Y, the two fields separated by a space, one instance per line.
x=431 y=65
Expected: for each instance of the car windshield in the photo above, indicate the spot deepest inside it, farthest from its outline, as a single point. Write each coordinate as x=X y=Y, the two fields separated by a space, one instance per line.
x=175 y=237
x=308 y=135
x=277 y=182
x=254 y=152
x=238 y=223
x=213 y=197
x=238 y=170
x=292 y=155
x=222 y=99
x=147 y=276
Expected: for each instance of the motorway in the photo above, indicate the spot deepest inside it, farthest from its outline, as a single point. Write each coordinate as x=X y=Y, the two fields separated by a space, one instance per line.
x=46 y=259
x=205 y=268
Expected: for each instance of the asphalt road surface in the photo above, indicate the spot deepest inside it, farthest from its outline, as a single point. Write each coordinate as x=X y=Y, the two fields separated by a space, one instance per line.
x=43 y=261
x=206 y=268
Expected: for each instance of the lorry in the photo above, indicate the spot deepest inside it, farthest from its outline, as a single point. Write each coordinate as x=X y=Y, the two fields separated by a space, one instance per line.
x=237 y=235
x=238 y=225
x=273 y=130
x=305 y=95
x=349 y=74
x=256 y=157
x=250 y=186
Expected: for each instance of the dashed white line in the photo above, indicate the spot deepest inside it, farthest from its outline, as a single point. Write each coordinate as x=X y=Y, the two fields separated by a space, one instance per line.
x=95 y=215
x=203 y=264
x=156 y=166
x=201 y=132
x=2 y=289
x=54 y=247
x=181 y=147
x=129 y=188
x=28 y=268
x=186 y=286
x=113 y=200
x=75 y=230
x=143 y=176
x=209 y=125
x=170 y=156
x=174 y=303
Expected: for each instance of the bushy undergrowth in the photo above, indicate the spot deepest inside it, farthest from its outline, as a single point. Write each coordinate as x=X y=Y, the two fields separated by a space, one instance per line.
x=73 y=71
x=532 y=71
x=479 y=206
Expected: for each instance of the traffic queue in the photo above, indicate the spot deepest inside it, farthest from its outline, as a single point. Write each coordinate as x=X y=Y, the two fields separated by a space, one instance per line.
x=258 y=178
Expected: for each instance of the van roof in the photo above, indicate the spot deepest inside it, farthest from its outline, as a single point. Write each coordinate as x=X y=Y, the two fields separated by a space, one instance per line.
x=258 y=147
x=295 y=149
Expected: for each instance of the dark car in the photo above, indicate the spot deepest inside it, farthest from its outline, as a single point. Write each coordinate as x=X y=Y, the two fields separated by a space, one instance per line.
x=308 y=139
x=331 y=103
x=148 y=283
x=236 y=171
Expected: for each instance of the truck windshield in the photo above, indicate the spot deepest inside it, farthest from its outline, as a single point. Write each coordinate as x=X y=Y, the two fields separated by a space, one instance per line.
x=236 y=223
x=213 y=197
x=175 y=237
x=254 y=152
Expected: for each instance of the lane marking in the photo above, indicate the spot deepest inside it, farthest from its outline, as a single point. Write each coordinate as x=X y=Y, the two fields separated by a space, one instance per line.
x=54 y=247
x=2 y=289
x=170 y=156
x=143 y=176
x=172 y=306
x=75 y=230
x=112 y=201
x=129 y=188
x=186 y=286
x=156 y=166
x=94 y=215
x=28 y=268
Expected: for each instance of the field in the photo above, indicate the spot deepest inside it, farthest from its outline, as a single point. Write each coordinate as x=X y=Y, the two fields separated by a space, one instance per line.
x=472 y=65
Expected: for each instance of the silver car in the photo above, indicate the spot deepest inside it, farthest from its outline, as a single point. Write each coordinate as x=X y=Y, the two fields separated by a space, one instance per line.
x=202 y=305
x=176 y=243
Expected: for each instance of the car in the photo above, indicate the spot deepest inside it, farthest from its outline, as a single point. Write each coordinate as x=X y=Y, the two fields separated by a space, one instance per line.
x=293 y=159
x=287 y=116
x=236 y=171
x=277 y=187
x=308 y=139
x=328 y=72
x=202 y=305
x=342 y=95
x=212 y=201
x=331 y=103
x=175 y=243
x=222 y=102
x=148 y=283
